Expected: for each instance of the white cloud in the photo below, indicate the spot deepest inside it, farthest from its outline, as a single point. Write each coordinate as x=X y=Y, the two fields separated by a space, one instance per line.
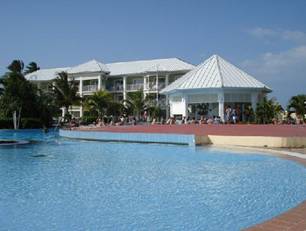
x=278 y=62
x=270 y=35
x=284 y=72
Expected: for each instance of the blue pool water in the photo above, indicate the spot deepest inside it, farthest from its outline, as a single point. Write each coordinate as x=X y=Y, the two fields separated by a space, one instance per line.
x=61 y=184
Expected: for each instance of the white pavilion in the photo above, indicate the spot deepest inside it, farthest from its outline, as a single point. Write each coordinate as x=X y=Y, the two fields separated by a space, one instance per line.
x=213 y=85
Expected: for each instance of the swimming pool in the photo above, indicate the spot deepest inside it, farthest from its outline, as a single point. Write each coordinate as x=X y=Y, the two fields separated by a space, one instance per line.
x=61 y=184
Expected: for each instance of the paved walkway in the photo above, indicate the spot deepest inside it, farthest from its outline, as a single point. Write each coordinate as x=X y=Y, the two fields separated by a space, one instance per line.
x=230 y=130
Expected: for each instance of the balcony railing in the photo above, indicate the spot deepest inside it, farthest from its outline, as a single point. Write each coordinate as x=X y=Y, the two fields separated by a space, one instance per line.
x=89 y=88
x=115 y=88
x=152 y=86
x=134 y=87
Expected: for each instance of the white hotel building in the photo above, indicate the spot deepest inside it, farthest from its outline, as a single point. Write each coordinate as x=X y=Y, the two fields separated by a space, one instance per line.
x=176 y=84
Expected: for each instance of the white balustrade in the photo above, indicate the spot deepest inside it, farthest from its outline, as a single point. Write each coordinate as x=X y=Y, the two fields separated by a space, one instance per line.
x=134 y=87
x=90 y=88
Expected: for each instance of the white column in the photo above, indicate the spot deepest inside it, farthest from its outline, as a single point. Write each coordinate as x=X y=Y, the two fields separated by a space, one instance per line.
x=81 y=95
x=81 y=111
x=81 y=86
x=99 y=83
x=167 y=80
x=185 y=103
x=124 y=87
x=156 y=87
x=254 y=99
x=167 y=96
x=145 y=85
x=221 y=105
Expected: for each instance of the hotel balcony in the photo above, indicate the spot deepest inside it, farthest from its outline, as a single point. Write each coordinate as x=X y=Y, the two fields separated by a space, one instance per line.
x=90 y=88
x=115 y=88
x=134 y=87
x=152 y=86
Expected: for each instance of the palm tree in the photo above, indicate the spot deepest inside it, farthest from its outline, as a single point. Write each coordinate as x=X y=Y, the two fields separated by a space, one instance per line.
x=32 y=66
x=16 y=66
x=135 y=103
x=18 y=94
x=267 y=110
x=298 y=103
x=65 y=92
x=100 y=102
x=138 y=103
x=1 y=86
x=47 y=108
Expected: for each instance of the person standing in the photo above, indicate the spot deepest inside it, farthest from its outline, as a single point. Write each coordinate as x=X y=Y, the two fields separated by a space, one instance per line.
x=228 y=112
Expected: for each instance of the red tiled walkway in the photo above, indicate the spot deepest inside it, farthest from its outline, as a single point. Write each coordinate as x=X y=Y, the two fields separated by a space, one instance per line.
x=230 y=130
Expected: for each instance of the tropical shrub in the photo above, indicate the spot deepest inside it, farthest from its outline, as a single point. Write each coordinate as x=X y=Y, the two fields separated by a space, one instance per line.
x=298 y=104
x=267 y=110
x=6 y=123
x=21 y=99
x=100 y=103
x=85 y=120
x=31 y=123
x=19 y=95
x=65 y=92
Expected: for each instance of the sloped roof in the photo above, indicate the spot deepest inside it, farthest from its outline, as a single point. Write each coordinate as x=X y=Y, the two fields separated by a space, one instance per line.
x=90 y=66
x=215 y=72
x=45 y=74
x=146 y=66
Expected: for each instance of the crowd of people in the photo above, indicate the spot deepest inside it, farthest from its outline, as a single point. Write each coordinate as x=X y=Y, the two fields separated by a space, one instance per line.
x=231 y=115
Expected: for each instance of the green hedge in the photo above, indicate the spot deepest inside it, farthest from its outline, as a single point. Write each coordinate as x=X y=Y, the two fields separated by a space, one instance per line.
x=30 y=123
x=7 y=123
x=85 y=120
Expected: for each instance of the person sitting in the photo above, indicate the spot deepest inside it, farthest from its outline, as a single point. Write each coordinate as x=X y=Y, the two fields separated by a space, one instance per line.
x=184 y=120
x=217 y=120
x=193 y=121
x=100 y=123
x=121 y=121
x=203 y=120
x=134 y=120
x=210 y=121
x=73 y=123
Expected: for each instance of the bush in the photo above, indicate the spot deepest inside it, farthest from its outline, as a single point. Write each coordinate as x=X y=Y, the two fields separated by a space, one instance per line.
x=30 y=123
x=6 y=123
x=88 y=119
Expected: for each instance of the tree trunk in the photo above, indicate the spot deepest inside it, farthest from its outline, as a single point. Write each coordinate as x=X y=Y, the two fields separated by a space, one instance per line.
x=19 y=117
x=15 y=120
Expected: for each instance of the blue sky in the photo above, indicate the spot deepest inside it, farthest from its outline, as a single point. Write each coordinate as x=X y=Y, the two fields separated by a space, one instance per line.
x=265 y=38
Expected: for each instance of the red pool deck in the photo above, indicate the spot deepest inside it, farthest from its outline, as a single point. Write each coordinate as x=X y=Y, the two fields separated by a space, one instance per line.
x=225 y=130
